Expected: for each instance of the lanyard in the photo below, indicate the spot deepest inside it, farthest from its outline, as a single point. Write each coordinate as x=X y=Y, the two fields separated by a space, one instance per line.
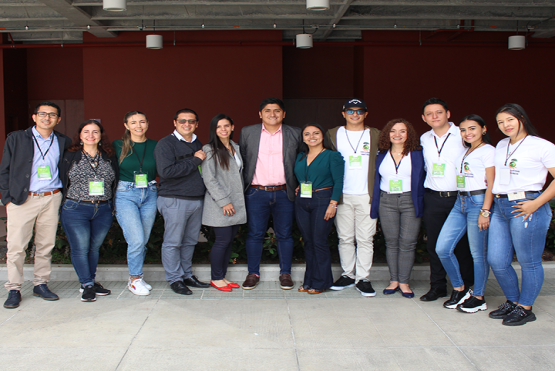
x=140 y=160
x=307 y=165
x=510 y=154
x=348 y=140
x=95 y=161
x=468 y=154
x=40 y=150
x=396 y=164
x=440 y=149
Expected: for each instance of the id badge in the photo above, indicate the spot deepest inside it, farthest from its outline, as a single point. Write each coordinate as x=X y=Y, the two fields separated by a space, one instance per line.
x=504 y=175
x=438 y=169
x=460 y=182
x=141 y=180
x=355 y=162
x=516 y=196
x=395 y=186
x=44 y=173
x=96 y=187
x=306 y=190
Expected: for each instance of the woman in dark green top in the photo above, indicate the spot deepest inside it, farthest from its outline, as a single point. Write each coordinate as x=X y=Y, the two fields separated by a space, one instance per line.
x=320 y=173
x=136 y=195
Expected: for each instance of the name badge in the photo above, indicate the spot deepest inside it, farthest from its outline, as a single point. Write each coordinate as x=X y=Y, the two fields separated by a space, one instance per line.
x=44 y=173
x=395 y=186
x=438 y=169
x=96 y=187
x=355 y=162
x=306 y=190
x=516 y=196
x=504 y=175
x=460 y=182
x=141 y=180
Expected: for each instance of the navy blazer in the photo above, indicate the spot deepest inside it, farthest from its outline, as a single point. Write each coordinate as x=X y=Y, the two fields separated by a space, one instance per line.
x=416 y=184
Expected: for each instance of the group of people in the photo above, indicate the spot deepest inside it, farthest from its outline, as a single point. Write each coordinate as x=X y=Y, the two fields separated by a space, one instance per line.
x=466 y=192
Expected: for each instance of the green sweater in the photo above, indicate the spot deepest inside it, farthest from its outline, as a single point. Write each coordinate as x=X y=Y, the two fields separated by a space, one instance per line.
x=131 y=163
x=326 y=170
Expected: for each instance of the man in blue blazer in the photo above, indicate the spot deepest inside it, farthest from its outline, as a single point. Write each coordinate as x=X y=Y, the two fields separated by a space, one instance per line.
x=269 y=150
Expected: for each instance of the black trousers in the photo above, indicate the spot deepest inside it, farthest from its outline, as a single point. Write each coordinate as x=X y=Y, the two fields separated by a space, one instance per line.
x=221 y=251
x=436 y=211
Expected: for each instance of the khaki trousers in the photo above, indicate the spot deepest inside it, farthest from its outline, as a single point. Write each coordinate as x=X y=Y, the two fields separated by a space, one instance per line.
x=353 y=223
x=40 y=212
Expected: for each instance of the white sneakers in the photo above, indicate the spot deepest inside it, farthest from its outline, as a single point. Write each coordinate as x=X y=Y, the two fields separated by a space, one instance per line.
x=139 y=287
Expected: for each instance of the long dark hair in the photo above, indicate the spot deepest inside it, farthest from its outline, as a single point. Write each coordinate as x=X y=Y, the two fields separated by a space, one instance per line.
x=519 y=113
x=127 y=144
x=104 y=144
x=220 y=153
x=472 y=117
x=304 y=147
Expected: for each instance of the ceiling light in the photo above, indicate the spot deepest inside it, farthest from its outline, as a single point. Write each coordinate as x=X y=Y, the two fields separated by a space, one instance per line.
x=304 y=41
x=517 y=42
x=114 y=5
x=154 y=42
x=318 y=4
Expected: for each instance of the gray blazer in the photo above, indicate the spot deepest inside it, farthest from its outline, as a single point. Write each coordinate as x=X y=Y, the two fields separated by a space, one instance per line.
x=249 y=141
x=222 y=187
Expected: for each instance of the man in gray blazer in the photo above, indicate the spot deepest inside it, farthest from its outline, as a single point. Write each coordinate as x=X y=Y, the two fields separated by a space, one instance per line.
x=269 y=151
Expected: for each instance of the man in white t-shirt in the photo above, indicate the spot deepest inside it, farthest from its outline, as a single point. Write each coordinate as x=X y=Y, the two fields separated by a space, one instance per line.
x=442 y=148
x=359 y=145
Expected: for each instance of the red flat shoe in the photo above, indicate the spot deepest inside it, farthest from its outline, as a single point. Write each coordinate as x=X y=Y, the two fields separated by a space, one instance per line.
x=222 y=288
x=234 y=285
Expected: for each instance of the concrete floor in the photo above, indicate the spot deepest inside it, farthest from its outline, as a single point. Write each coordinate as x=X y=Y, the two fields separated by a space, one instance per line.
x=268 y=329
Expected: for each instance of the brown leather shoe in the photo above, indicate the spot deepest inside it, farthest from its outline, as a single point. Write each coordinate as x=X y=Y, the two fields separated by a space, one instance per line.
x=285 y=282
x=251 y=281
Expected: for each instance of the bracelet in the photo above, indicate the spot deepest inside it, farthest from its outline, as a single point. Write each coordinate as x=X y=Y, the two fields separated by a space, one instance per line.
x=334 y=206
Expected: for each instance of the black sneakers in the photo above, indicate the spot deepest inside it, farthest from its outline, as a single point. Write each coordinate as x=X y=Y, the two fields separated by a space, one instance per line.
x=98 y=289
x=472 y=305
x=365 y=288
x=519 y=316
x=502 y=311
x=14 y=297
x=457 y=297
x=342 y=283
x=88 y=294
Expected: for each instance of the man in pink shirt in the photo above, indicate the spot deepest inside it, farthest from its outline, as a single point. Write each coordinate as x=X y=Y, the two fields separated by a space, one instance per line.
x=269 y=151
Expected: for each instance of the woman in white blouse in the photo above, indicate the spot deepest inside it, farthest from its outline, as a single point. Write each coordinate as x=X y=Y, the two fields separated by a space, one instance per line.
x=522 y=213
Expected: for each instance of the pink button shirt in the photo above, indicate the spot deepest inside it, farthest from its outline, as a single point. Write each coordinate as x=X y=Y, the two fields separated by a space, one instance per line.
x=269 y=169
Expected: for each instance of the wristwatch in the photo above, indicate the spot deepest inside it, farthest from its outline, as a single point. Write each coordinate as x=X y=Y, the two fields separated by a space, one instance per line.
x=485 y=213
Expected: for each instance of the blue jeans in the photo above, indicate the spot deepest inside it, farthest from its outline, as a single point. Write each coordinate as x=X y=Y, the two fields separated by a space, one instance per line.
x=508 y=235
x=260 y=204
x=462 y=219
x=86 y=225
x=136 y=211
x=315 y=230
x=182 y=221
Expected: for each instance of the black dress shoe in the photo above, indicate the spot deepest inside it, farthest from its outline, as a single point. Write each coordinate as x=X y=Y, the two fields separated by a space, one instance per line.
x=179 y=288
x=14 y=297
x=44 y=292
x=194 y=282
x=434 y=294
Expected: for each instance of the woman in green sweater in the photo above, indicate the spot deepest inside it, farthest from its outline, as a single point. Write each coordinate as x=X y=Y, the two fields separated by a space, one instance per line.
x=136 y=195
x=320 y=173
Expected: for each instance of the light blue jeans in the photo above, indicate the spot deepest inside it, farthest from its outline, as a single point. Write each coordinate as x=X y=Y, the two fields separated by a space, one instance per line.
x=508 y=235
x=462 y=219
x=135 y=212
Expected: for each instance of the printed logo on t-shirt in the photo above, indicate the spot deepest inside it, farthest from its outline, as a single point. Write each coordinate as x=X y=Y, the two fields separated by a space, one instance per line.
x=365 y=148
x=512 y=166
x=467 y=171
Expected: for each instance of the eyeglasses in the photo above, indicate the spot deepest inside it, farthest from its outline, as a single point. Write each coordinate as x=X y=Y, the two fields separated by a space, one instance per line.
x=52 y=115
x=191 y=122
x=358 y=111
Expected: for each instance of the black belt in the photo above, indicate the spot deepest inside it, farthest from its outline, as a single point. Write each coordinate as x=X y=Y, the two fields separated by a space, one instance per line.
x=507 y=196
x=89 y=201
x=442 y=194
x=472 y=193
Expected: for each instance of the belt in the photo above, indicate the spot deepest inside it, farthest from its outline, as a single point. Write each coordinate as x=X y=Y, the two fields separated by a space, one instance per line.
x=270 y=188
x=442 y=194
x=472 y=193
x=41 y=194
x=507 y=196
x=321 y=189
x=89 y=201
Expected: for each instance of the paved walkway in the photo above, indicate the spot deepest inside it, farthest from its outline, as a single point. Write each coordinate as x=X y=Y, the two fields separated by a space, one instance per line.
x=268 y=329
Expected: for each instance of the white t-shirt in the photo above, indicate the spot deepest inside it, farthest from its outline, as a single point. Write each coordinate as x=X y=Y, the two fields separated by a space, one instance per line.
x=387 y=172
x=354 y=146
x=474 y=167
x=527 y=161
x=452 y=151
